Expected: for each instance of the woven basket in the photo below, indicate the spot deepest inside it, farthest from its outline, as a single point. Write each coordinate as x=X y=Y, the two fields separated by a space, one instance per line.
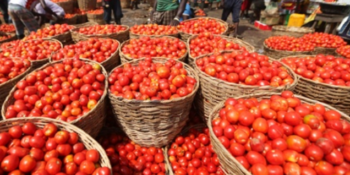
x=67 y=6
x=81 y=18
x=87 y=4
x=91 y=122
x=277 y=54
x=86 y=24
x=336 y=96
x=291 y=31
x=98 y=18
x=120 y=36
x=214 y=90
x=73 y=20
x=185 y=36
x=241 y=43
x=227 y=161
x=325 y=51
x=40 y=122
x=153 y=122
x=64 y=38
x=124 y=58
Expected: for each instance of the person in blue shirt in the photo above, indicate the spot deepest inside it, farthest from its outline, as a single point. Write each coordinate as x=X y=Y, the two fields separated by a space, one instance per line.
x=187 y=14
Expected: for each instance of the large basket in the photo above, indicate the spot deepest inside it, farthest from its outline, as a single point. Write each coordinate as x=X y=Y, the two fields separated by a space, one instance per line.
x=87 y=4
x=277 y=54
x=336 y=96
x=228 y=162
x=73 y=20
x=214 y=90
x=120 y=36
x=241 y=43
x=280 y=30
x=153 y=122
x=64 y=38
x=67 y=6
x=91 y=122
x=81 y=18
x=185 y=36
x=124 y=58
x=40 y=122
x=98 y=18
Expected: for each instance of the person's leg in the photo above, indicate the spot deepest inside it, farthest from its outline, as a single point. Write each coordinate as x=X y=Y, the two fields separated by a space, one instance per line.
x=117 y=11
x=3 y=7
x=28 y=19
x=225 y=13
x=235 y=15
x=13 y=10
x=107 y=12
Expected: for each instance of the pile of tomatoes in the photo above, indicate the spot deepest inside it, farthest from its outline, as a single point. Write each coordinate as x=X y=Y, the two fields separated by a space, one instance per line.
x=282 y=135
x=288 y=43
x=193 y=154
x=101 y=29
x=344 y=51
x=153 y=29
x=32 y=49
x=201 y=25
x=96 y=11
x=64 y=91
x=324 y=40
x=323 y=69
x=27 y=149
x=7 y=28
x=50 y=31
x=129 y=158
x=79 y=11
x=165 y=47
x=4 y=37
x=151 y=80
x=11 y=68
x=245 y=68
x=8 y=45
x=97 y=49
x=200 y=12
x=68 y=16
x=206 y=43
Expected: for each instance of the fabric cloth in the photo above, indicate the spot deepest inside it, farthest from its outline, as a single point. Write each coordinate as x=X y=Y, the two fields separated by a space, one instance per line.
x=38 y=8
x=3 y=7
x=22 y=17
x=164 y=18
x=188 y=12
x=167 y=5
x=231 y=6
x=24 y=3
x=117 y=11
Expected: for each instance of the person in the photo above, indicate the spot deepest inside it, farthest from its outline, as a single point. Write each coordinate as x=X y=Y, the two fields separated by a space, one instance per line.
x=234 y=7
x=3 y=7
x=188 y=13
x=245 y=8
x=134 y=4
x=168 y=12
x=108 y=6
x=217 y=4
x=259 y=5
x=55 y=14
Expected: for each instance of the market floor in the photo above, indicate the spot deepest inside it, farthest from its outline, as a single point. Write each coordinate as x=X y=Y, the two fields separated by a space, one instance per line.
x=249 y=33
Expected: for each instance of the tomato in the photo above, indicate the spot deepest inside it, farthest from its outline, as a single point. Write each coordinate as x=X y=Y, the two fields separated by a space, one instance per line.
x=314 y=152
x=29 y=128
x=291 y=168
x=87 y=167
x=335 y=157
x=323 y=168
x=27 y=164
x=259 y=169
x=255 y=158
x=4 y=138
x=53 y=165
x=296 y=143
x=275 y=157
x=15 y=132
x=92 y=155
x=335 y=137
x=275 y=170
x=10 y=163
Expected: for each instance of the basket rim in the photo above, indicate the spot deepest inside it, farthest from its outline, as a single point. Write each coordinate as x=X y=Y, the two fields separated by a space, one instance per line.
x=103 y=71
x=29 y=69
x=293 y=74
x=161 y=60
x=309 y=80
x=177 y=32
x=285 y=28
x=54 y=37
x=286 y=51
x=206 y=17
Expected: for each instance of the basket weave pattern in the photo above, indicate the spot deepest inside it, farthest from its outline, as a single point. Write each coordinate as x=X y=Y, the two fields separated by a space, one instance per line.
x=156 y=122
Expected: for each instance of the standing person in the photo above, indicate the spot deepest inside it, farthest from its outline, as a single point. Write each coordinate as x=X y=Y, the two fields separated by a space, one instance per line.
x=188 y=13
x=108 y=6
x=259 y=5
x=234 y=7
x=3 y=7
x=53 y=12
x=168 y=12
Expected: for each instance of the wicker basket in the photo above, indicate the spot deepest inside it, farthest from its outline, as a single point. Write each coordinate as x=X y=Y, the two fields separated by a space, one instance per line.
x=228 y=162
x=87 y=4
x=185 y=36
x=98 y=18
x=67 y=6
x=81 y=18
x=73 y=20
x=124 y=58
x=86 y=24
x=64 y=38
x=325 y=51
x=336 y=96
x=120 y=36
x=291 y=31
x=241 y=43
x=40 y=122
x=277 y=54
x=153 y=122
x=214 y=90
x=91 y=122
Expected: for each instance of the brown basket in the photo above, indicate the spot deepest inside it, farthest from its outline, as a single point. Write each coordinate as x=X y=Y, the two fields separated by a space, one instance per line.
x=291 y=31
x=227 y=161
x=86 y=24
x=153 y=122
x=241 y=43
x=67 y=6
x=120 y=36
x=214 y=90
x=277 y=54
x=124 y=58
x=336 y=96
x=91 y=122
x=185 y=36
x=87 y=4
x=81 y=18
x=64 y=38
x=325 y=51
x=40 y=122
x=72 y=20
x=134 y=35
x=98 y=18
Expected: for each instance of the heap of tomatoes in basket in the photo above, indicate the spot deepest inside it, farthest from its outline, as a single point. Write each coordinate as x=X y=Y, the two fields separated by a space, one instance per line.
x=7 y=28
x=27 y=149
x=65 y=91
x=153 y=29
x=50 y=31
x=323 y=69
x=4 y=37
x=101 y=29
x=200 y=25
x=283 y=135
x=324 y=40
x=129 y=158
x=288 y=43
x=344 y=51
x=151 y=80
x=11 y=68
x=245 y=68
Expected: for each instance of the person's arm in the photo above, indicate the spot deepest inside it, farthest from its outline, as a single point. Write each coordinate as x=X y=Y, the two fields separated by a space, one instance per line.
x=180 y=11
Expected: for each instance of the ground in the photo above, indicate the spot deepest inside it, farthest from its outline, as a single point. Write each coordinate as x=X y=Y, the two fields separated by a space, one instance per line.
x=249 y=33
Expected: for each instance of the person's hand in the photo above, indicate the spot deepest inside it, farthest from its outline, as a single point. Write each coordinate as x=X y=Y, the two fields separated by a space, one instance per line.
x=174 y=22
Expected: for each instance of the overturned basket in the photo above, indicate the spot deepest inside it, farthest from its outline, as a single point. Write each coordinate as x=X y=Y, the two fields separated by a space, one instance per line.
x=153 y=122
x=120 y=36
x=228 y=162
x=91 y=122
x=278 y=54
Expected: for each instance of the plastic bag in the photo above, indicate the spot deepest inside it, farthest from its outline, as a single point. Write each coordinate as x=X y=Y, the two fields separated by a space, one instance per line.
x=272 y=8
